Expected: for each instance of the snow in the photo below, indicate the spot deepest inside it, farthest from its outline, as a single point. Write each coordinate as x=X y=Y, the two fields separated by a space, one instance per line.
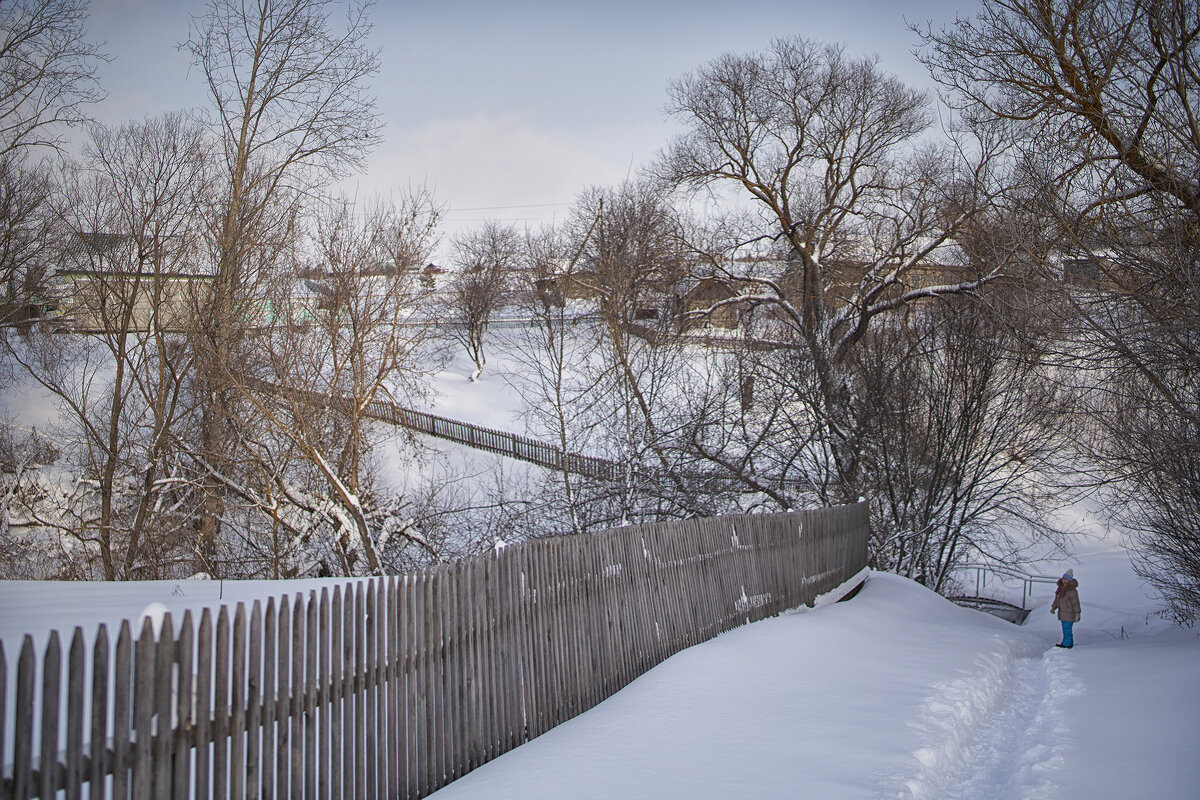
x=895 y=693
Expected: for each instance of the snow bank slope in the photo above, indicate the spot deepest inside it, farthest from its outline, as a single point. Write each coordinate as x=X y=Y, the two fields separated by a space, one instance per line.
x=890 y=694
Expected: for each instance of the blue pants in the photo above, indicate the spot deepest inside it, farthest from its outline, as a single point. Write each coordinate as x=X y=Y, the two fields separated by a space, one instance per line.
x=1068 y=636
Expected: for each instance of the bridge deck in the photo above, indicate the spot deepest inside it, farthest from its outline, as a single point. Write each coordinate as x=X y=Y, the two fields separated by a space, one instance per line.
x=997 y=608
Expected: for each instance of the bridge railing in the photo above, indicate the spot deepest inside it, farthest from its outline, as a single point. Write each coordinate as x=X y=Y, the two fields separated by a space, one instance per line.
x=985 y=574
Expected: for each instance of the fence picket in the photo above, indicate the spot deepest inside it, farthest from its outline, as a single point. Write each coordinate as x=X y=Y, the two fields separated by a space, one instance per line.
x=311 y=685
x=360 y=695
x=237 y=716
x=163 y=710
x=254 y=702
x=409 y=643
x=143 y=710
x=422 y=683
x=121 y=690
x=3 y=709
x=282 y=702
x=346 y=691
x=371 y=690
x=335 y=692
x=73 y=783
x=23 y=714
x=220 y=725
x=99 y=766
x=454 y=674
x=204 y=654
x=324 y=699
x=399 y=685
x=269 y=706
x=51 y=683
x=296 y=712
x=395 y=691
x=437 y=631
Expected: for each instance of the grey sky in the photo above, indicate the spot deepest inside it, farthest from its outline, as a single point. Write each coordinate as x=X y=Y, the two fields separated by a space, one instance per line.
x=500 y=104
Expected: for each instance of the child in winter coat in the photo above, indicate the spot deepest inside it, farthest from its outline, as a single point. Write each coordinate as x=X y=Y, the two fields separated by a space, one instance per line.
x=1066 y=603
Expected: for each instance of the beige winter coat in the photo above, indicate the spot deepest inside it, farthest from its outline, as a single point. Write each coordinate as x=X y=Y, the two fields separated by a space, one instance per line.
x=1066 y=600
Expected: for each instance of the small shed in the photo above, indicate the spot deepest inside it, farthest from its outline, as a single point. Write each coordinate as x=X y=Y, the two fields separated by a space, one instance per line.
x=706 y=293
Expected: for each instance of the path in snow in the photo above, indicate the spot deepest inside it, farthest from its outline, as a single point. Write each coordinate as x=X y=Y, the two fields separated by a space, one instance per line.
x=996 y=733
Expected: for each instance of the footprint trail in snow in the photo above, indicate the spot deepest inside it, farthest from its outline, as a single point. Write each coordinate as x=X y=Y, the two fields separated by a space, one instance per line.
x=997 y=733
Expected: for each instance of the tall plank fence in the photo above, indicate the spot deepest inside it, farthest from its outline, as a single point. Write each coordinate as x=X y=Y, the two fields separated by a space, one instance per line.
x=393 y=687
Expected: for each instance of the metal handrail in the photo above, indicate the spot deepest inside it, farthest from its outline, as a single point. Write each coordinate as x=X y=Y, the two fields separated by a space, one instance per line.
x=1026 y=579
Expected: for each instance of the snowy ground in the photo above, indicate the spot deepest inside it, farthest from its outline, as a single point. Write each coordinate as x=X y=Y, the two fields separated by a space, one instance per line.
x=896 y=693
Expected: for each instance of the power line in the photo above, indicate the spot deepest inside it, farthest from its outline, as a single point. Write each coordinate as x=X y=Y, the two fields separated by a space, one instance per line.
x=505 y=208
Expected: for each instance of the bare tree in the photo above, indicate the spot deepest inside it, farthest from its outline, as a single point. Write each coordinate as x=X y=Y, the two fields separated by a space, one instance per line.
x=23 y=454
x=28 y=239
x=563 y=394
x=47 y=71
x=291 y=109
x=362 y=337
x=134 y=239
x=486 y=259
x=832 y=154
x=47 y=79
x=962 y=433
x=1102 y=96
x=630 y=259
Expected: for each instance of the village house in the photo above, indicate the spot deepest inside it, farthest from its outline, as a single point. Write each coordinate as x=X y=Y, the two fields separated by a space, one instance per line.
x=105 y=285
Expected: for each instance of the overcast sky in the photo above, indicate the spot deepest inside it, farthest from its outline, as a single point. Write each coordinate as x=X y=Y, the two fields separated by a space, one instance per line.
x=509 y=109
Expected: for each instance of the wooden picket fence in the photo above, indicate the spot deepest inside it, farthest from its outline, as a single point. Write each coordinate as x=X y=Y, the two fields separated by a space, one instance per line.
x=394 y=687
